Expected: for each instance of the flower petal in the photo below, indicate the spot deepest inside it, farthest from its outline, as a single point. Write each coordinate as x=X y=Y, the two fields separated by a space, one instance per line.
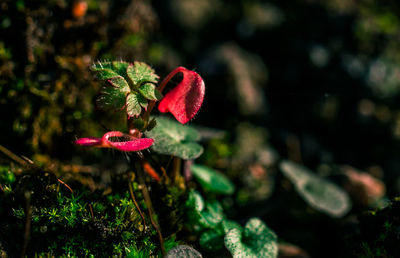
x=127 y=143
x=90 y=141
x=186 y=98
x=134 y=145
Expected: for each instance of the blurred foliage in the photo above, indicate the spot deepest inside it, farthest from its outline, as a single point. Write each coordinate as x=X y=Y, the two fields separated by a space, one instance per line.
x=315 y=82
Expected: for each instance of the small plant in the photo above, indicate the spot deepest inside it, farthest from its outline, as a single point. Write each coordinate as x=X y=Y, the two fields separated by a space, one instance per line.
x=133 y=88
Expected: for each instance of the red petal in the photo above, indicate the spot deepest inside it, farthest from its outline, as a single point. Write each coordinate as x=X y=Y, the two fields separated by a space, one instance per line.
x=90 y=141
x=134 y=145
x=186 y=98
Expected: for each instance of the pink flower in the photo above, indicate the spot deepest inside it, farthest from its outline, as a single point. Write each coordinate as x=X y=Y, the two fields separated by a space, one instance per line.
x=128 y=142
x=186 y=98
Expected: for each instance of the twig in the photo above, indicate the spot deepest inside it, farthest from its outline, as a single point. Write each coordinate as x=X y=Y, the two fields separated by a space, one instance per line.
x=150 y=210
x=137 y=205
x=27 y=224
x=67 y=186
x=91 y=211
x=14 y=157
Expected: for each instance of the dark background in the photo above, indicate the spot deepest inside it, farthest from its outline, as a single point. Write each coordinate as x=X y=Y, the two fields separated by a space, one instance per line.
x=324 y=73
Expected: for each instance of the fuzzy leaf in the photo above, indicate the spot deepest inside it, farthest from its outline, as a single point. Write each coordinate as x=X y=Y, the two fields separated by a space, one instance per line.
x=172 y=138
x=101 y=66
x=142 y=101
x=185 y=100
x=149 y=91
x=105 y=74
x=140 y=72
x=257 y=240
x=113 y=96
x=318 y=192
x=212 y=180
x=120 y=67
x=133 y=107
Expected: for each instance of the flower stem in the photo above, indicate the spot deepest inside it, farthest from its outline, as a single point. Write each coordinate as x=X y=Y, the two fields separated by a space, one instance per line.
x=149 y=205
x=161 y=87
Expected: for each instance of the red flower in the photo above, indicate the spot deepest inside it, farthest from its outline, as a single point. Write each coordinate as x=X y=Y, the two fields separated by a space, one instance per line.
x=186 y=98
x=129 y=143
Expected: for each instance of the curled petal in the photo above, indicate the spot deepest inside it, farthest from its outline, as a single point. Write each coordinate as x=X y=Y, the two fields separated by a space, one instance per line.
x=124 y=142
x=186 y=98
x=90 y=141
x=134 y=145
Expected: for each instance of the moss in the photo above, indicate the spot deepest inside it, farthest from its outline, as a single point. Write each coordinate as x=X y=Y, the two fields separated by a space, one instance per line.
x=380 y=231
x=82 y=223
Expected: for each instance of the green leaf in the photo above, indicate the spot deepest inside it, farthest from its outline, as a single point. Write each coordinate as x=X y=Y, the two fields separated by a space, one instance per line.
x=151 y=124
x=195 y=201
x=142 y=101
x=172 y=138
x=228 y=225
x=257 y=240
x=140 y=72
x=149 y=91
x=211 y=240
x=206 y=215
x=101 y=66
x=318 y=192
x=120 y=83
x=113 y=96
x=183 y=251
x=120 y=67
x=139 y=123
x=212 y=180
x=133 y=107
x=105 y=74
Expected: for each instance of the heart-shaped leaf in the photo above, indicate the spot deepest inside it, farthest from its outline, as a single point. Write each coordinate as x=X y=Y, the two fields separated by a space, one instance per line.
x=212 y=180
x=172 y=138
x=211 y=240
x=140 y=72
x=318 y=192
x=183 y=251
x=207 y=215
x=257 y=240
